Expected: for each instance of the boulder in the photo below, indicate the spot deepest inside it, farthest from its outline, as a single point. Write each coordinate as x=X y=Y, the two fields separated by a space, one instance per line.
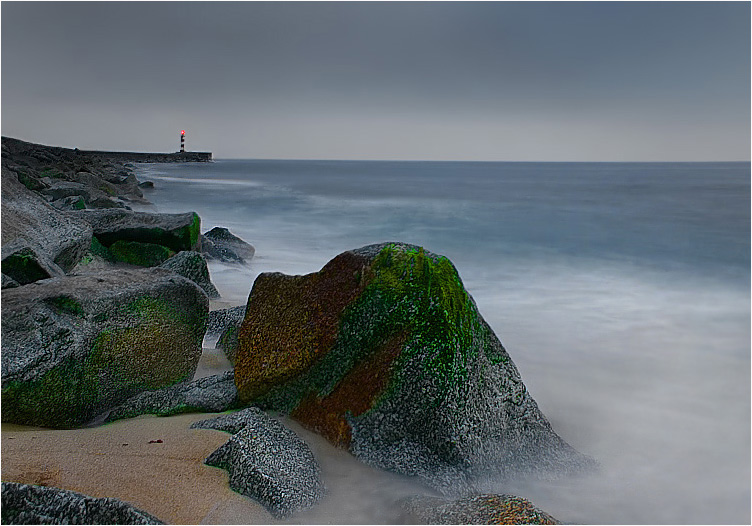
x=174 y=231
x=192 y=265
x=384 y=352
x=38 y=241
x=222 y=245
x=270 y=463
x=76 y=346
x=212 y=394
x=478 y=509
x=28 y=504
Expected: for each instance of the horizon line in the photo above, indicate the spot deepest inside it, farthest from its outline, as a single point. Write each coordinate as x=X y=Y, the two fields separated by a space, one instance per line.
x=458 y=160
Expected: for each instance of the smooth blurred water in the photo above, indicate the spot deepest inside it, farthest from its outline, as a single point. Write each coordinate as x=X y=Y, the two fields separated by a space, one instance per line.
x=620 y=290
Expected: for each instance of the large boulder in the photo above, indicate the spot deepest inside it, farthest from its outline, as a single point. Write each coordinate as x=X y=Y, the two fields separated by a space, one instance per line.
x=174 y=231
x=76 y=346
x=28 y=504
x=477 y=509
x=385 y=353
x=38 y=241
x=267 y=462
x=222 y=245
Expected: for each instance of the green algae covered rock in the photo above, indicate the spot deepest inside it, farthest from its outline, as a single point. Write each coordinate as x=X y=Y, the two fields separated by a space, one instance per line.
x=385 y=353
x=141 y=254
x=76 y=346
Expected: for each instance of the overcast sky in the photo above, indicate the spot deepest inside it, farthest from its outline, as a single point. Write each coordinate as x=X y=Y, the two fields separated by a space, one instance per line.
x=534 y=81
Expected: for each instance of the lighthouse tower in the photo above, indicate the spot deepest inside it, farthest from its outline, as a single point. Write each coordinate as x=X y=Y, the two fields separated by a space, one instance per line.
x=182 y=141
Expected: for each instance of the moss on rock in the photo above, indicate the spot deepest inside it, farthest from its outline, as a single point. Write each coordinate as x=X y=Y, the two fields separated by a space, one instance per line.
x=141 y=254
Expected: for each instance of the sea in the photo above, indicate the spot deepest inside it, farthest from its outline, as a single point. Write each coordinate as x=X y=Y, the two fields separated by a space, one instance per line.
x=620 y=290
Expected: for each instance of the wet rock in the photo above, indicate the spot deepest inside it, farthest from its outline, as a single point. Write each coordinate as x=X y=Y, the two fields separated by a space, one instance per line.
x=28 y=504
x=384 y=352
x=146 y=184
x=33 y=228
x=76 y=346
x=212 y=394
x=174 y=231
x=222 y=245
x=271 y=464
x=192 y=265
x=478 y=509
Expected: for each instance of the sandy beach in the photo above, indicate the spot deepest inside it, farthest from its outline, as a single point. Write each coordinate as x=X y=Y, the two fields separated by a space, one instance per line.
x=154 y=463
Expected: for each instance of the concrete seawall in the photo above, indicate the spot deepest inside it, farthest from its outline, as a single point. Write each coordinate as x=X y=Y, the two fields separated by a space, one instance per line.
x=146 y=157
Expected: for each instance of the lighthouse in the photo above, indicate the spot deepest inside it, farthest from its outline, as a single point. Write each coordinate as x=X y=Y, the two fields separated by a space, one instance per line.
x=182 y=141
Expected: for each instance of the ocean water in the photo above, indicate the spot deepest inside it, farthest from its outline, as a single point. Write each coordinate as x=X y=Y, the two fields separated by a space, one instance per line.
x=620 y=290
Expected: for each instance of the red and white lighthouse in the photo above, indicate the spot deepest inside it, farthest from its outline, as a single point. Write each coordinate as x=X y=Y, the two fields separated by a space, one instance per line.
x=182 y=141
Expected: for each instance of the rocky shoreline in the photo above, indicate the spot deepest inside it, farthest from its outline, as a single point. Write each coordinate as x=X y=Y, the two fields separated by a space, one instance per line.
x=382 y=352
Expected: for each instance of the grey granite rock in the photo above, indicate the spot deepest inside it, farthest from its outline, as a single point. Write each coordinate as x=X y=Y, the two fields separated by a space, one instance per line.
x=270 y=463
x=220 y=244
x=192 y=265
x=76 y=346
x=27 y=504
x=212 y=394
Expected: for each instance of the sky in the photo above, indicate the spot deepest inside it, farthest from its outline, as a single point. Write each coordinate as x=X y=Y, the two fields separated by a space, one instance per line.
x=506 y=81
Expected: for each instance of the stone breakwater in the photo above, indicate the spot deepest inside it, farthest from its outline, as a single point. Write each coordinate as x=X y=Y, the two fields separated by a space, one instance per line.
x=382 y=352
x=100 y=302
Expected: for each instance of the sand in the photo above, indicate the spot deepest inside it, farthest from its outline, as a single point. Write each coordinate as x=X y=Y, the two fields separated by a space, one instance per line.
x=170 y=481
